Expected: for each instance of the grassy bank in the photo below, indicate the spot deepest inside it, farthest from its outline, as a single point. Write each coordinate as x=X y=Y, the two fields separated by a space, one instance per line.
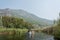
x=12 y=34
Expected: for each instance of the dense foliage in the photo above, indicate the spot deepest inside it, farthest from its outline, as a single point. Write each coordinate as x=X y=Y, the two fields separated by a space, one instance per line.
x=12 y=22
x=57 y=29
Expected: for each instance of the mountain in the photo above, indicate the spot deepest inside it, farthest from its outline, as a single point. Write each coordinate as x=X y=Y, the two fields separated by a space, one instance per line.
x=29 y=17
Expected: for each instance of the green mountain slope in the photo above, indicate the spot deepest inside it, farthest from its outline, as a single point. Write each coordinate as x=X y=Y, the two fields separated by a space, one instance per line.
x=30 y=17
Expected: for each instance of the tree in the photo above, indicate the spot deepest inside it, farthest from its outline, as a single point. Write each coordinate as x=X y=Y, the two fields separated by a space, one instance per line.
x=12 y=22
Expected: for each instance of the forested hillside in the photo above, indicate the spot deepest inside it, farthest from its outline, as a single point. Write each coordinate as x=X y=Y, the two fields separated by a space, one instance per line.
x=29 y=17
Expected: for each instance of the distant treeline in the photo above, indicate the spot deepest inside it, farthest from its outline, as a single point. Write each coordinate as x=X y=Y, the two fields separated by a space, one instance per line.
x=12 y=22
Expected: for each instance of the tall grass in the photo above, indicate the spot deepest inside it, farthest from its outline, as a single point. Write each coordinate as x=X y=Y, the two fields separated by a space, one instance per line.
x=12 y=34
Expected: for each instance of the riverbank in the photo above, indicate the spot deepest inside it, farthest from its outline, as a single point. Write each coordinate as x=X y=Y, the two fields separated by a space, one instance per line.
x=12 y=34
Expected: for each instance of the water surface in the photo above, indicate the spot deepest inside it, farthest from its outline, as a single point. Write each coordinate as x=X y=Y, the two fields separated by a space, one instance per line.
x=42 y=36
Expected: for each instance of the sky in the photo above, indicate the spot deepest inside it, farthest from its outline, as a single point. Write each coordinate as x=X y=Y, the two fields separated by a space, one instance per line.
x=48 y=9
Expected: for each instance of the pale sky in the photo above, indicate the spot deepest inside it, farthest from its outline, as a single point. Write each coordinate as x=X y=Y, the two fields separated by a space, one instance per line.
x=48 y=9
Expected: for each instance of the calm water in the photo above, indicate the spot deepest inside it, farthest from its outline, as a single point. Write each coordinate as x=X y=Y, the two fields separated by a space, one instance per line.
x=37 y=36
x=42 y=36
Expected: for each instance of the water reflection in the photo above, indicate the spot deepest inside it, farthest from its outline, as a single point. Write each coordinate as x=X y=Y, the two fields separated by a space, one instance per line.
x=42 y=36
x=37 y=36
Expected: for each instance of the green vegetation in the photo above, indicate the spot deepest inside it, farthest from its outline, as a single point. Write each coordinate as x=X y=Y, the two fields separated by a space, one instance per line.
x=28 y=17
x=57 y=28
x=57 y=31
x=0 y=21
x=54 y=30
x=12 y=34
x=15 y=26
x=31 y=18
x=12 y=22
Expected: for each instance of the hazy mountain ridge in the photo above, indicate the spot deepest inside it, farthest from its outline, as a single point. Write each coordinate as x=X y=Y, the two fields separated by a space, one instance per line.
x=29 y=17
